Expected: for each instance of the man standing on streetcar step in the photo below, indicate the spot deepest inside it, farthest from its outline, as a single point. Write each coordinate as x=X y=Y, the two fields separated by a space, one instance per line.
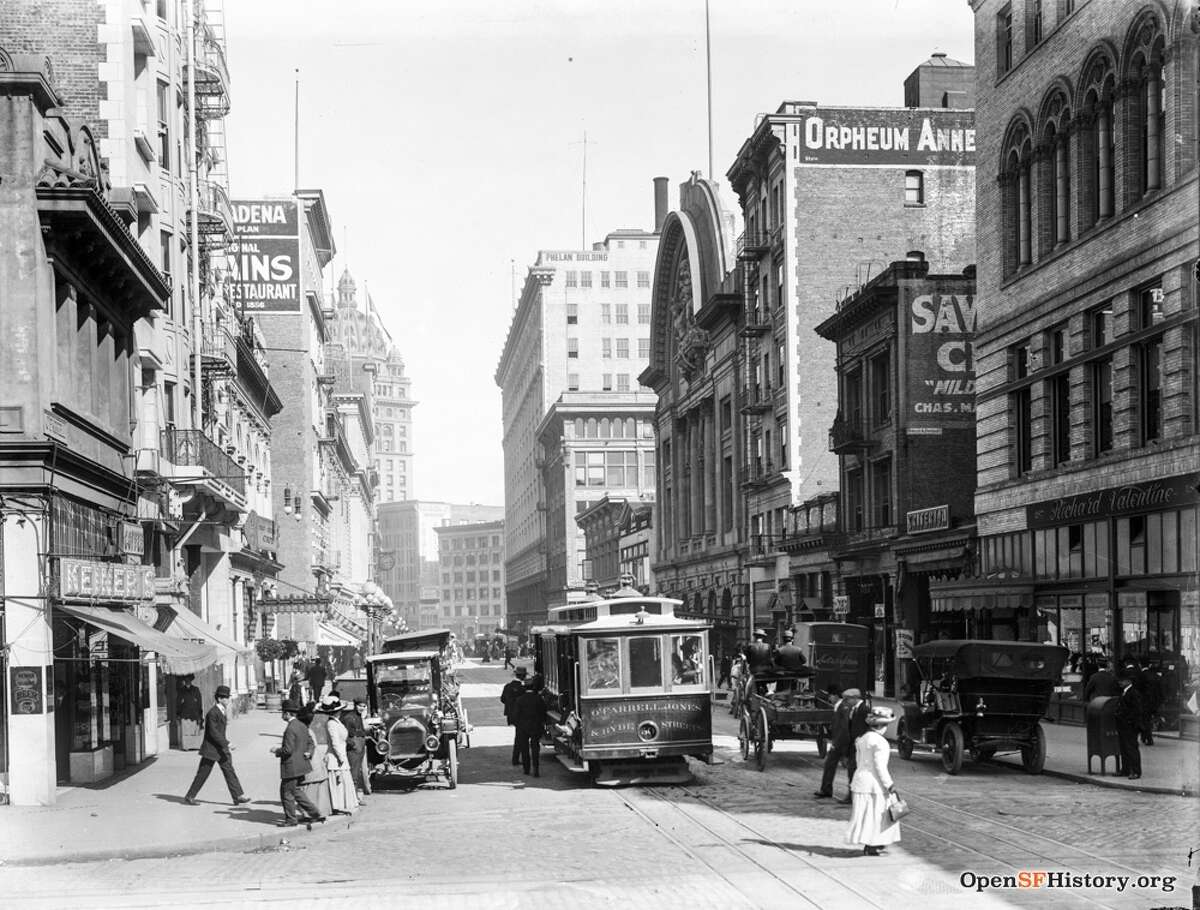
x=215 y=749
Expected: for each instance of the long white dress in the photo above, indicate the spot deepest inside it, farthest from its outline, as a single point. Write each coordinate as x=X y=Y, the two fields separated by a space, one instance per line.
x=870 y=824
x=341 y=782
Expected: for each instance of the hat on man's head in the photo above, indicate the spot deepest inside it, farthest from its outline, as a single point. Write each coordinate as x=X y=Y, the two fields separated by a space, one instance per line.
x=760 y=633
x=291 y=707
x=520 y=672
x=222 y=692
x=788 y=634
x=852 y=693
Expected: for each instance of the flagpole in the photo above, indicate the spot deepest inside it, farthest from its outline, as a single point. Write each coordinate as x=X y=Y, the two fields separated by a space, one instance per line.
x=708 y=67
x=296 y=134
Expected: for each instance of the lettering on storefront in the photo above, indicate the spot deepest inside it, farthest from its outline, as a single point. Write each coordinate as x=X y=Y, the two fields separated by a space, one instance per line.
x=132 y=538
x=618 y=722
x=858 y=136
x=1129 y=499
x=25 y=683
x=89 y=580
x=922 y=521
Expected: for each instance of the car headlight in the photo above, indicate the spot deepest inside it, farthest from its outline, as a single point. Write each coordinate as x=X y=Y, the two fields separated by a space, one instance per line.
x=432 y=742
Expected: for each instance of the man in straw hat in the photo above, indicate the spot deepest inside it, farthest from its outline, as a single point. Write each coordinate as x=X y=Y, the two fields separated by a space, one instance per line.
x=215 y=749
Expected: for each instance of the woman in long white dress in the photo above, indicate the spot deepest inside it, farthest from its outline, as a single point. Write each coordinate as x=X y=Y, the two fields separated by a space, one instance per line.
x=870 y=823
x=341 y=782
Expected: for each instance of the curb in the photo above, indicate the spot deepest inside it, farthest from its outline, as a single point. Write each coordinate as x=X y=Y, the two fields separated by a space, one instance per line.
x=242 y=843
x=1097 y=781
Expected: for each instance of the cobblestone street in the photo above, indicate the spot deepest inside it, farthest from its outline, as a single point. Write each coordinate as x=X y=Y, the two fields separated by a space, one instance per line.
x=735 y=837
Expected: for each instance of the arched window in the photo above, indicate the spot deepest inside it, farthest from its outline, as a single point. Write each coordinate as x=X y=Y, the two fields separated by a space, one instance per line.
x=591 y=428
x=1144 y=113
x=618 y=429
x=1097 y=142
x=605 y=428
x=1016 y=201
x=630 y=428
x=578 y=427
x=1054 y=174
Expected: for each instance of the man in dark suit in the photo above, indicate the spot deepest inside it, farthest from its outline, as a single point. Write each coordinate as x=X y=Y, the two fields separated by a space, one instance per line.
x=316 y=679
x=215 y=749
x=840 y=744
x=356 y=745
x=1129 y=723
x=294 y=754
x=788 y=655
x=529 y=717
x=1102 y=683
x=508 y=697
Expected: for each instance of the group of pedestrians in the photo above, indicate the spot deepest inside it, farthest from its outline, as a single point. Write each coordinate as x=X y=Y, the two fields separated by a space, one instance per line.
x=321 y=757
x=525 y=710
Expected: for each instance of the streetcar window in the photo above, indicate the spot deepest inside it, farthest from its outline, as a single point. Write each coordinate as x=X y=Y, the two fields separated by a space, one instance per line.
x=645 y=663
x=687 y=660
x=603 y=664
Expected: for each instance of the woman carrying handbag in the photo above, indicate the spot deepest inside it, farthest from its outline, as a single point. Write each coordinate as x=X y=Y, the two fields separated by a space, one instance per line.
x=874 y=820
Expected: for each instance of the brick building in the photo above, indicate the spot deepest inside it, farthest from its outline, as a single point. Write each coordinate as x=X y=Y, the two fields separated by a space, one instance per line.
x=904 y=434
x=1087 y=331
x=617 y=535
x=907 y=176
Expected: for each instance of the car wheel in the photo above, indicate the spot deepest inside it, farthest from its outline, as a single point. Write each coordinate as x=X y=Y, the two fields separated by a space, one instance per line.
x=1033 y=756
x=904 y=743
x=952 y=748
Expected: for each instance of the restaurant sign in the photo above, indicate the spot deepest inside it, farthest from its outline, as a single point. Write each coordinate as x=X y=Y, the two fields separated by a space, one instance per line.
x=1130 y=499
x=922 y=521
x=265 y=256
x=89 y=580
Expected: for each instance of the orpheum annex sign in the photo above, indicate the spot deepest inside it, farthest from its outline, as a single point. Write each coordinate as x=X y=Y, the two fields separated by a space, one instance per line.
x=918 y=137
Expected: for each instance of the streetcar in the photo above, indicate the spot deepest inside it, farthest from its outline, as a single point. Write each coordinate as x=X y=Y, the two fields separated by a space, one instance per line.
x=627 y=684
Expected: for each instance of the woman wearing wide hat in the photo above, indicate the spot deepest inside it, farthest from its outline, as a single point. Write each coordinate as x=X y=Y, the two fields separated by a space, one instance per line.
x=871 y=789
x=341 y=781
x=316 y=781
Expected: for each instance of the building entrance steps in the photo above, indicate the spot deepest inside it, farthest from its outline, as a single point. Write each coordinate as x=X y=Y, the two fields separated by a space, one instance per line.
x=1171 y=765
x=141 y=812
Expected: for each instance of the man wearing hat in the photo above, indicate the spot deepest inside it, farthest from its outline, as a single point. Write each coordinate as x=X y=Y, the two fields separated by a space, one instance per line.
x=215 y=749
x=789 y=655
x=294 y=753
x=508 y=698
x=1129 y=723
x=841 y=741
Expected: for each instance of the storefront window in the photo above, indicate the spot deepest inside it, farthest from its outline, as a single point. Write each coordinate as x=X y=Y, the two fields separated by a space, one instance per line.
x=1133 y=625
x=645 y=662
x=603 y=658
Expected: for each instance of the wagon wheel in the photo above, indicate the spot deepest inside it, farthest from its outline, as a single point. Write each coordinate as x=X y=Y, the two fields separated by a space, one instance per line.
x=952 y=748
x=822 y=745
x=744 y=736
x=904 y=743
x=735 y=701
x=763 y=744
x=452 y=765
x=1033 y=756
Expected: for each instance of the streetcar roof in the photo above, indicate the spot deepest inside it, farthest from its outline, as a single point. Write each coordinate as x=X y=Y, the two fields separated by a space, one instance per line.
x=627 y=622
x=402 y=656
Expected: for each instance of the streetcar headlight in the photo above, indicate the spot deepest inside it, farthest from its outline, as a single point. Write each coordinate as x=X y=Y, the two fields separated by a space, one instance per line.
x=647 y=730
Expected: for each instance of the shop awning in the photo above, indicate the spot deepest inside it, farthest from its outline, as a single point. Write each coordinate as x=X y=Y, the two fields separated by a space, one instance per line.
x=190 y=627
x=979 y=596
x=177 y=656
x=329 y=634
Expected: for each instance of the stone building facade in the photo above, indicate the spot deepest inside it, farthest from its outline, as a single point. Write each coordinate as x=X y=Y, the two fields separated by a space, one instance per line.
x=1087 y=330
x=470 y=559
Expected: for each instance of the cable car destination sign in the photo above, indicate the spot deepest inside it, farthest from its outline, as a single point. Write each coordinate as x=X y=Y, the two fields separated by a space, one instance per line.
x=264 y=260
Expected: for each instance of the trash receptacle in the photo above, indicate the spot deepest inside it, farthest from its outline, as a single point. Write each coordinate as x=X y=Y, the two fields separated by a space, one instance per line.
x=1102 y=741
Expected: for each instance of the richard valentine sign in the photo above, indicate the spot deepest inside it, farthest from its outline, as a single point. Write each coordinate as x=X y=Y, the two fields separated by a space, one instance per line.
x=940 y=369
x=888 y=137
x=265 y=257
x=1151 y=496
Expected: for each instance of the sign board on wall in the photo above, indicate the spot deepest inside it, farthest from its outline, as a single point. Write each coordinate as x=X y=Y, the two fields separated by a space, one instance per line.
x=1130 y=499
x=25 y=683
x=90 y=580
x=922 y=521
x=940 y=369
x=884 y=136
x=904 y=643
x=264 y=259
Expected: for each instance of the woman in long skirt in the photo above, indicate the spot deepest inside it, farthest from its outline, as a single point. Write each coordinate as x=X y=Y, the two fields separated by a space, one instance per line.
x=341 y=782
x=316 y=781
x=870 y=823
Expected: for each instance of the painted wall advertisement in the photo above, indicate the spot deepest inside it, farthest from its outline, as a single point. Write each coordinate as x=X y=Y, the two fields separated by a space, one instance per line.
x=940 y=372
x=264 y=259
x=912 y=137
x=25 y=684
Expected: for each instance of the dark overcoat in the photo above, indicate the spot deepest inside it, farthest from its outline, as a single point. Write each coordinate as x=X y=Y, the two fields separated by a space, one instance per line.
x=295 y=750
x=215 y=746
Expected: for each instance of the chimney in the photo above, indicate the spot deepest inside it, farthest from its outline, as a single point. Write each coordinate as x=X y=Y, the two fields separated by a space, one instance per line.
x=660 y=203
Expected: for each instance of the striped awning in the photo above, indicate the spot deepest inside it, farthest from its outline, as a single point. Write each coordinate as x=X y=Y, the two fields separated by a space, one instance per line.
x=177 y=656
x=979 y=596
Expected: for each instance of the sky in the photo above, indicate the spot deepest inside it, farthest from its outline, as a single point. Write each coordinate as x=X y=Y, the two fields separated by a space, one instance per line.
x=447 y=137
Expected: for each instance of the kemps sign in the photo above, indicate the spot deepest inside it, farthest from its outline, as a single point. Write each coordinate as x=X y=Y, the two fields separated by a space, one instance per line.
x=916 y=137
x=265 y=258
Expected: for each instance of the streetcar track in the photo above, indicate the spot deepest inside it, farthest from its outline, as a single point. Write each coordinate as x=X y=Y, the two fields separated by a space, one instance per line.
x=1039 y=852
x=696 y=856
x=762 y=838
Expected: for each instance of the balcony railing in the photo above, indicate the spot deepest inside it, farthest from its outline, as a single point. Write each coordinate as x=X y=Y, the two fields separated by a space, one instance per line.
x=218 y=348
x=193 y=448
x=211 y=75
x=214 y=214
x=758 y=400
x=752 y=244
x=847 y=434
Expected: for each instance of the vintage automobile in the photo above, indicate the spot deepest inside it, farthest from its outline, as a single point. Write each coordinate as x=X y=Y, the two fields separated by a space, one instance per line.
x=417 y=724
x=981 y=698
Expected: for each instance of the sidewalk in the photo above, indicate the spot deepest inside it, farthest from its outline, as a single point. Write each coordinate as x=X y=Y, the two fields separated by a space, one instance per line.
x=1171 y=765
x=140 y=812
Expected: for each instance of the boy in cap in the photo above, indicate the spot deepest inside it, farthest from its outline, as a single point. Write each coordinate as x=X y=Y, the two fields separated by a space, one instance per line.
x=215 y=749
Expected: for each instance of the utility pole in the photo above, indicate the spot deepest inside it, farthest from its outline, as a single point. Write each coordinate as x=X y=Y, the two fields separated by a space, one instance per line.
x=708 y=70
x=583 y=218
